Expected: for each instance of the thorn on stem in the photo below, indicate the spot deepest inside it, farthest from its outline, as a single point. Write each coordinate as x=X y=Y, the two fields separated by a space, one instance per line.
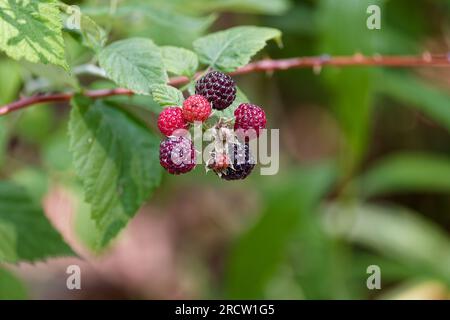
x=426 y=56
x=377 y=57
x=324 y=58
x=358 y=56
x=317 y=69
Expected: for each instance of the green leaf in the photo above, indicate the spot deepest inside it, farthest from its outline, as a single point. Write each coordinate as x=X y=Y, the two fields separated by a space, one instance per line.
x=159 y=21
x=92 y=35
x=55 y=153
x=10 y=80
x=11 y=288
x=255 y=257
x=178 y=28
x=85 y=227
x=241 y=6
x=117 y=160
x=167 y=95
x=34 y=181
x=394 y=232
x=143 y=102
x=179 y=61
x=320 y=262
x=299 y=20
x=351 y=88
x=134 y=63
x=25 y=232
x=31 y=30
x=47 y=77
x=35 y=124
x=407 y=172
x=230 y=49
x=3 y=141
x=417 y=94
x=352 y=102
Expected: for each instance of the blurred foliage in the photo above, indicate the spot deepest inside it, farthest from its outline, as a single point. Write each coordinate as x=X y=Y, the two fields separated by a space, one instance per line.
x=351 y=88
x=414 y=93
x=256 y=256
x=36 y=125
x=10 y=79
x=413 y=172
x=11 y=288
x=376 y=201
x=21 y=223
x=406 y=237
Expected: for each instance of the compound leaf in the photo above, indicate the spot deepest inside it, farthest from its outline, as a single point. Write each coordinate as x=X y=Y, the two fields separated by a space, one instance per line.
x=25 y=232
x=135 y=64
x=117 y=160
x=31 y=30
x=180 y=61
x=232 y=48
x=167 y=95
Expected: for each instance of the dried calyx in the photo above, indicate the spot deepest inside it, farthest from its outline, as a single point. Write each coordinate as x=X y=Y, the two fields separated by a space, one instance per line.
x=230 y=159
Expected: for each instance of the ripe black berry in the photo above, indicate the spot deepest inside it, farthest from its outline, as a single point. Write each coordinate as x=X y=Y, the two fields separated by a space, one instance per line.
x=218 y=88
x=177 y=155
x=242 y=162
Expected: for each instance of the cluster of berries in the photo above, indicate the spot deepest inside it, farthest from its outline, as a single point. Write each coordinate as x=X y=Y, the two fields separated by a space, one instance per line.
x=232 y=159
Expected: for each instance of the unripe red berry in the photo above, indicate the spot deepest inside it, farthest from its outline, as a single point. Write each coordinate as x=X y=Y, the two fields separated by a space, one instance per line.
x=196 y=108
x=170 y=120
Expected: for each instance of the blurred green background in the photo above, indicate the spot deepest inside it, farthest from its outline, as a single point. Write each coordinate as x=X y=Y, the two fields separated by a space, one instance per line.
x=364 y=164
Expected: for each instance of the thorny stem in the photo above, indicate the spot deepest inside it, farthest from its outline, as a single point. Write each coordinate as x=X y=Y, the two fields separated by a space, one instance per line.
x=266 y=65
